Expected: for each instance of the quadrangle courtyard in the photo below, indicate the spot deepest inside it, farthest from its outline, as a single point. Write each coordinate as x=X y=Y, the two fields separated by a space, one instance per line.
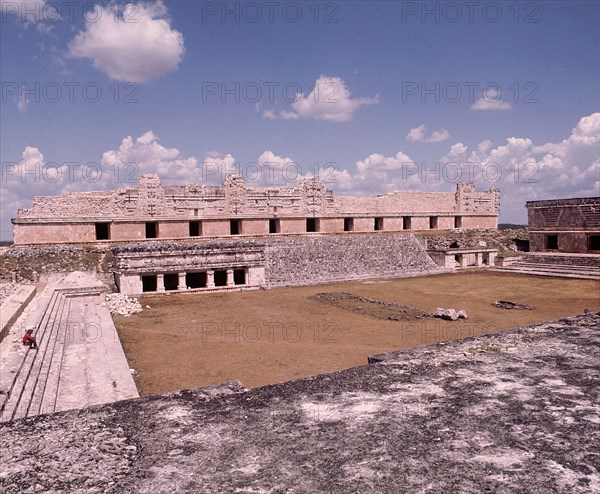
x=186 y=341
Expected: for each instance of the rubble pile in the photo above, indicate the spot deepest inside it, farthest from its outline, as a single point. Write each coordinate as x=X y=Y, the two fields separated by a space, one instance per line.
x=505 y=304
x=508 y=242
x=25 y=260
x=122 y=304
x=6 y=290
x=449 y=314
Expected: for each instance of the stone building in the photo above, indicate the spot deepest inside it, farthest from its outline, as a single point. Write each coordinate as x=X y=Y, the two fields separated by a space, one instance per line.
x=565 y=225
x=155 y=211
x=243 y=264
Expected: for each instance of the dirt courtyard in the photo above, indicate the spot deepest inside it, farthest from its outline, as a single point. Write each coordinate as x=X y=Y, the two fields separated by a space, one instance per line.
x=264 y=337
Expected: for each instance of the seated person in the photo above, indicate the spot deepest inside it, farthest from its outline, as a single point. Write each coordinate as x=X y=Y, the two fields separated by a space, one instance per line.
x=29 y=339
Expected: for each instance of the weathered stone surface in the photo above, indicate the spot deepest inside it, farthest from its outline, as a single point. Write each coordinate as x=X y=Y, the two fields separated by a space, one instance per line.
x=313 y=260
x=506 y=241
x=151 y=198
x=24 y=261
x=574 y=224
x=121 y=215
x=513 y=412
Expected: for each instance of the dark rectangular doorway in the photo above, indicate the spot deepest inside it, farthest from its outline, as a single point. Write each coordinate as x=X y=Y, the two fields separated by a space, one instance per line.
x=239 y=276
x=149 y=283
x=195 y=229
x=235 y=227
x=151 y=230
x=195 y=280
x=102 y=231
x=274 y=226
x=221 y=278
x=171 y=281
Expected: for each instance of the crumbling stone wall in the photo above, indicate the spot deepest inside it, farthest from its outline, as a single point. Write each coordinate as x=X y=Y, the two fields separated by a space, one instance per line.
x=122 y=214
x=25 y=261
x=506 y=241
x=324 y=259
x=574 y=224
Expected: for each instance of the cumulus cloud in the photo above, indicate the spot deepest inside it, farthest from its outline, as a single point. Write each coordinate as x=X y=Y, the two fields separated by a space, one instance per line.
x=524 y=171
x=520 y=168
x=375 y=174
x=276 y=170
x=133 y=44
x=22 y=180
x=146 y=155
x=417 y=134
x=330 y=100
x=491 y=100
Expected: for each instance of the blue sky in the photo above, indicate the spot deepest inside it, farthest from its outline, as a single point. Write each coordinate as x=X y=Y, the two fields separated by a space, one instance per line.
x=378 y=96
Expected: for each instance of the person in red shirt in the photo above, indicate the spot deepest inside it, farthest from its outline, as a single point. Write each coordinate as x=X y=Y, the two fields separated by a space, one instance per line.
x=29 y=339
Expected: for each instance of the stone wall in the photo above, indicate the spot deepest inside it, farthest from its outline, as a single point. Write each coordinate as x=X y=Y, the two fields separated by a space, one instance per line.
x=30 y=262
x=325 y=259
x=565 y=225
x=123 y=214
x=570 y=214
x=293 y=261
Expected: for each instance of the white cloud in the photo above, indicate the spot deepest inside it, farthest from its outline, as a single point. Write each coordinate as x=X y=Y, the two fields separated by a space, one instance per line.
x=216 y=166
x=521 y=170
x=146 y=155
x=135 y=45
x=491 y=100
x=22 y=100
x=417 y=134
x=330 y=100
x=375 y=174
x=276 y=170
x=524 y=171
x=22 y=180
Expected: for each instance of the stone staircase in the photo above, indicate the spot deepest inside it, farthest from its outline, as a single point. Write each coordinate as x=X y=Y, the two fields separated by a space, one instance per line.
x=580 y=266
x=73 y=366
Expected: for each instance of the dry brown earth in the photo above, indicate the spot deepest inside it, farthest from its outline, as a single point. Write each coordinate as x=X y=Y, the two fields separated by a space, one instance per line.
x=263 y=337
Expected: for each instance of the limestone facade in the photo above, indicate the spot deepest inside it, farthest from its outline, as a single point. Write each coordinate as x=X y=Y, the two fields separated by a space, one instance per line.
x=565 y=225
x=223 y=265
x=155 y=211
x=464 y=258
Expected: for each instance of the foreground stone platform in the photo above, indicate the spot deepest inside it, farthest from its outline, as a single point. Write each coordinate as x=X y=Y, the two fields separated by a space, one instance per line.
x=517 y=411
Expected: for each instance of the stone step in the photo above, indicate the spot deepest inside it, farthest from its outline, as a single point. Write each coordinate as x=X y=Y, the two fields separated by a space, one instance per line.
x=545 y=271
x=556 y=267
x=561 y=267
x=79 y=361
x=44 y=401
x=16 y=396
x=40 y=371
x=588 y=260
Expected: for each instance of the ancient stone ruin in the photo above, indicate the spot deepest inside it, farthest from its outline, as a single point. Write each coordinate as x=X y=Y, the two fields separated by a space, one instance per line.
x=155 y=211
